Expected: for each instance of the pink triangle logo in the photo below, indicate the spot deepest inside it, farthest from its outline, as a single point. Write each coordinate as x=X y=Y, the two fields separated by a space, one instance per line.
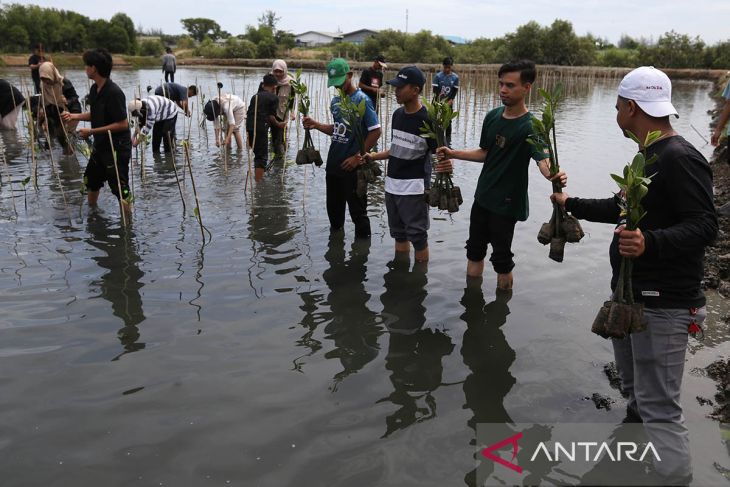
x=512 y=440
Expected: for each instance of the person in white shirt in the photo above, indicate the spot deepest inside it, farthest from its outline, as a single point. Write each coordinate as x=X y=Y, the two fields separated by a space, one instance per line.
x=233 y=110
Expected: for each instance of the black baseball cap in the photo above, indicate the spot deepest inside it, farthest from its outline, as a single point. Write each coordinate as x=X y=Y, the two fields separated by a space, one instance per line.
x=381 y=60
x=410 y=75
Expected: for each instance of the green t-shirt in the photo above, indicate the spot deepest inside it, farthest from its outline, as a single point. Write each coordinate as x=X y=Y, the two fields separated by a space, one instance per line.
x=502 y=185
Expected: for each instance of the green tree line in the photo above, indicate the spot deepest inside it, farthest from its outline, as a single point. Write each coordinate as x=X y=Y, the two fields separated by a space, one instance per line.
x=67 y=31
x=554 y=44
x=63 y=30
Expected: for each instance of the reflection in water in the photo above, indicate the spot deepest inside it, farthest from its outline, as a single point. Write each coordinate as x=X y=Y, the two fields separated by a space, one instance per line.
x=414 y=353
x=121 y=284
x=270 y=230
x=488 y=355
x=350 y=324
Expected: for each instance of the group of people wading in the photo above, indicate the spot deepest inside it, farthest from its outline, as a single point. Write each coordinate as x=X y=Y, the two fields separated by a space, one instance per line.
x=667 y=250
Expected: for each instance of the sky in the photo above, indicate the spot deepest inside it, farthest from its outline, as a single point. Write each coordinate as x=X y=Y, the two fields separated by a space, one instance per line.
x=709 y=19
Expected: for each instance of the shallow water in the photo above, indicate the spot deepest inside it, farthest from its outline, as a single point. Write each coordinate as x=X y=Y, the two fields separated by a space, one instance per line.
x=274 y=355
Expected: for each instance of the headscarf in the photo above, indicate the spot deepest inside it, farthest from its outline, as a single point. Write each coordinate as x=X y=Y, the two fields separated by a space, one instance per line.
x=281 y=64
x=53 y=91
x=283 y=89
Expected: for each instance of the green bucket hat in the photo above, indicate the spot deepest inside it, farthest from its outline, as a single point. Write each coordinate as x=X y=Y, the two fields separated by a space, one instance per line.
x=337 y=70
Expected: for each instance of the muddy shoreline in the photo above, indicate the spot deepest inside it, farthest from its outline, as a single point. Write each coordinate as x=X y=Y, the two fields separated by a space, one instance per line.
x=717 y=257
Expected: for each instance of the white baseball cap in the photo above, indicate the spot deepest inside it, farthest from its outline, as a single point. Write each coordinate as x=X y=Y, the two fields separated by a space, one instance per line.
x=651 y=89
x=134 y=106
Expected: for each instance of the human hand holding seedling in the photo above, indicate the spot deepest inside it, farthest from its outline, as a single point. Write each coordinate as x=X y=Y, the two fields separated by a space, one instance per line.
x=444 y=166
x=309 y=123
x=445 y=152
x=559 y=199
x=352 y=162
x=84 y=132
x=631 y=243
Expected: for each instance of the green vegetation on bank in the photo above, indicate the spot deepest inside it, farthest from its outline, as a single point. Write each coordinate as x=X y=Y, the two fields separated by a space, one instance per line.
x=67 y=31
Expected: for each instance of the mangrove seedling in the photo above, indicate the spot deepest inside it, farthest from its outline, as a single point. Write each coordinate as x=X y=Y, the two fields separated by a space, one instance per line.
x=442 y=194
x=562 y=226
x=308 y=153
x=353 y=115
x=622 y=315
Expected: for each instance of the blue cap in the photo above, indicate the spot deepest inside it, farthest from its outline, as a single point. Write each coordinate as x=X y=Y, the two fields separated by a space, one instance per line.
x=410 y=75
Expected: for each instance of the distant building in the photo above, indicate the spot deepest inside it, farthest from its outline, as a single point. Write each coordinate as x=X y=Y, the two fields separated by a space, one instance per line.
x=358 y=36
x=317 y=38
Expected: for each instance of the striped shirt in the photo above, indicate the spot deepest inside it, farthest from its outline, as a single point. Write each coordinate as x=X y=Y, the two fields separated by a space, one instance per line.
x=159 y=108
x=409 y=165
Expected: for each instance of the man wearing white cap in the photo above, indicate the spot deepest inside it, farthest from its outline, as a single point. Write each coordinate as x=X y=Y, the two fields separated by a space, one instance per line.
x=668 y=252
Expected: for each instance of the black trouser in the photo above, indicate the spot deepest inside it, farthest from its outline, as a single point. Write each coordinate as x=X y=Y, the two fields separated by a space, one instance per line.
x=55 y=125
x=260 y=148
x=170 y=75
x=101 y=169
x=161 y=131
x=487 y=227
x=341 y=192
x=448 y=134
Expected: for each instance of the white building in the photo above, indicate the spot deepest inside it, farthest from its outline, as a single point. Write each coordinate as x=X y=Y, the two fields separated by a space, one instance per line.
x=317 y=38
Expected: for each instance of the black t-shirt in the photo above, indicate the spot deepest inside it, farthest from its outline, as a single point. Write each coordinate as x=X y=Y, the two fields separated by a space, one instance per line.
x=35 y=59
x=72 y=98
x=267 y=106
x=373 y=78
x=108 y=106
x=10 y=97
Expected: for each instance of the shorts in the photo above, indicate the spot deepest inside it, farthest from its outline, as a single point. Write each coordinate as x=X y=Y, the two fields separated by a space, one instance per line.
x=408 y=219
x=101 y=169
x=487 y=227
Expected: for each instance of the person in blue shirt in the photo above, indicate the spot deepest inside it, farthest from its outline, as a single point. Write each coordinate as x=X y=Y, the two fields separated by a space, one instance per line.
x=344 y=158
x=445 y=85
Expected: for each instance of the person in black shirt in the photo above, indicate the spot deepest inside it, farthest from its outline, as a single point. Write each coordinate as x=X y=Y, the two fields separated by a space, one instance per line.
x=34 y=62
x=668 y=253
x=260 y=116
x=108 y=117
x=177 y=93
x=371 y=80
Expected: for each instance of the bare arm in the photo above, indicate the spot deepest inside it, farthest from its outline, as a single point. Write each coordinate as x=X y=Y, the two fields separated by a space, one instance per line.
x=310 y=123
x=367 y=88
x=83 y=117
x=474 y=155
x=372 y=139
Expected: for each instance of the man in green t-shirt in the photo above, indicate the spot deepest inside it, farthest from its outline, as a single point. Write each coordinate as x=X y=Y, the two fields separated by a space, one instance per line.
x=501 y=195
